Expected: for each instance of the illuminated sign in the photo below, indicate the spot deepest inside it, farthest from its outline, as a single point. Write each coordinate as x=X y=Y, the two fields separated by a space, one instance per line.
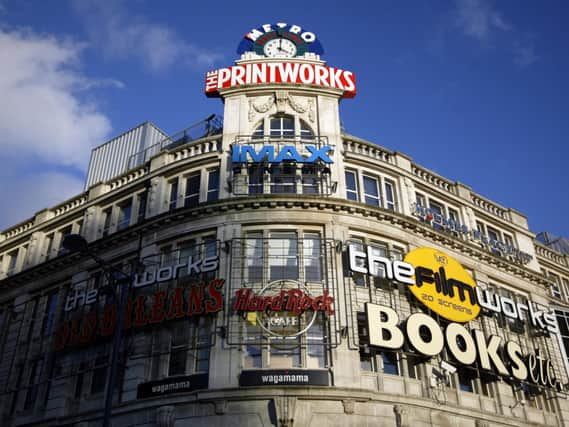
x=282 y=377
x=465 y=346
x=440 y=283
x=279 y=306
x=450 y=225
x=288 y=72
x=443 y=285
x=288 y=153
x=172 y=385
x=142 y=310
x=256 y=39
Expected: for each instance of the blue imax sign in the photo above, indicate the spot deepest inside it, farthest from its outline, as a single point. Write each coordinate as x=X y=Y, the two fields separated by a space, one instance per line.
x=288 y=153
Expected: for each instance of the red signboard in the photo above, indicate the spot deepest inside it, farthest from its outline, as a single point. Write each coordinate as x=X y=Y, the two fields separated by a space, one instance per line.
x=262 y=73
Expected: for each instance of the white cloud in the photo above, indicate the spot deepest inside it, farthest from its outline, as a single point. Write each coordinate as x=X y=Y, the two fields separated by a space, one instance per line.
x=121 y=34
x=45 y=125
x=524 y=54
x=478 y=19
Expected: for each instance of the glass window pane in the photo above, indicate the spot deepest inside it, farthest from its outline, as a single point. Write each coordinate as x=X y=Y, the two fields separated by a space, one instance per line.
x=312 y=260
x=192 y=196
x=371 y=191
x=283 y=256
x=212 y=185
x=351 y=186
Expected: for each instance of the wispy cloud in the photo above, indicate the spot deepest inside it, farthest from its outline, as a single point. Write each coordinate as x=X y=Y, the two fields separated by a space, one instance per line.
x=481 y=21
x=120 y=35
x=44 y=120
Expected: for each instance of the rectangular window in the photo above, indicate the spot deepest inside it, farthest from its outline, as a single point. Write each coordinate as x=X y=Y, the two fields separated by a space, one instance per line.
x=351 y=186
x=33 y=384
x=99 y=376
x=371 y=191
x=12 y=262
x=390 y=365
x=179 y=349
x=212 y=185
x=312 y=258
x=494 y=238
x=283 y=179
x=309 y=180
x=555 y=288
x=48 y=245
x=480 y=227
x=66 y=231
x=453 y=215
x=173 y=201
x=256 y=174
x=420 y=199
x=389 y=195
x=192 y=196
x=254 y=257
x=142 y=199
x=283 y=256
x=49 y=316
x=203 y=345
x=107 y=214
x=465 y=380
x=125 y=211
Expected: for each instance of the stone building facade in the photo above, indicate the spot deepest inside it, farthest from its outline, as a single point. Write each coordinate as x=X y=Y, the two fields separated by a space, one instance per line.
x=209 y=233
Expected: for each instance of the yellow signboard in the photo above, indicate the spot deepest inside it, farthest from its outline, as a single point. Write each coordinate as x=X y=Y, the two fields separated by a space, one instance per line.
x=443 y=285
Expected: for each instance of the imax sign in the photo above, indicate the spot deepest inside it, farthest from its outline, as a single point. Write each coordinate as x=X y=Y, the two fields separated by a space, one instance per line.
x=288 y=153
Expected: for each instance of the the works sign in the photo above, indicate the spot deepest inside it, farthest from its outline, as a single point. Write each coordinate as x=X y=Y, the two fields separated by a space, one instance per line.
x=440 y=283
x=287 y=72
x=465 y=346
x=288 y=153
x=142 y=310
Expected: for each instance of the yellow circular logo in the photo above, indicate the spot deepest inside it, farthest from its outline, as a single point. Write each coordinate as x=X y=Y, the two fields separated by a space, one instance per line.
x=443 y=285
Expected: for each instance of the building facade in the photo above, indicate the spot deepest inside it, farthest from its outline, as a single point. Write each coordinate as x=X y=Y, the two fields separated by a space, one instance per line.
x=281 y=272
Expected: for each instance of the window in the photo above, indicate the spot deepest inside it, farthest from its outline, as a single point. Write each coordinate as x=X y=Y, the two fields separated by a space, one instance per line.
x=351 y=186
x=259 y=132
x=213 y=185
x=283 y=256
x=192 y=196
x=125 y=210
x=283 y=178
x=389 y=195
x=173 y=201
x=11 y=262
x=390 y=364
x=107 y=214
x=555 y=285
x=371 y=191
x=256 y=174
x=49 y=317
x=33 y=383
x=309 y=179
x=99 y=377
x=420 y=199
x=142 y=200
x=494 y=238
x=66 y=231
x=282 y=127
x=254 y=257
x=305 y=131
x=190 y=347
x=312 y=261
x=48 y=245
x=465 y=379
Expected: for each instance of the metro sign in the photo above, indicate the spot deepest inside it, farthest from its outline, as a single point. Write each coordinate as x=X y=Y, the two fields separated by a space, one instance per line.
x=278 y=72
x=244 y=153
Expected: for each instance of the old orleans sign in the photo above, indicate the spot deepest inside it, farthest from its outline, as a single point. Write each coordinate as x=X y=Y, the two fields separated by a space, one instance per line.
x=142 y=310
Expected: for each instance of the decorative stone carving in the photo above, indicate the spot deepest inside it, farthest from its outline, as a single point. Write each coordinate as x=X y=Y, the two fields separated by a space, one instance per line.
x=165 y=416
x=296 y=106
x=285 y=407
x=260 y=107
x=282 y=98
x=349 y=406
x=220 y=406
x=481 y=423
x=401 y=416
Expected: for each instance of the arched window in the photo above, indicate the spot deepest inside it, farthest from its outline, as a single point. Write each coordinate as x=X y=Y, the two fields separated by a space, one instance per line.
x=283 y=126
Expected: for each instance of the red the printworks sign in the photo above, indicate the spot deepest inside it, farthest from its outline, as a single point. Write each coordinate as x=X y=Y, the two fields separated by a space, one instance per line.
x=261 y=73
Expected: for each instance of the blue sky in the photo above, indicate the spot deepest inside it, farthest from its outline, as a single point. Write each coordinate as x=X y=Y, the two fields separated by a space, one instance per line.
x=474 y=90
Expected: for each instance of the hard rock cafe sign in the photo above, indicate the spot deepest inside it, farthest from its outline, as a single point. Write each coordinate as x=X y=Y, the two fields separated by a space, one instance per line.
x=283 y=309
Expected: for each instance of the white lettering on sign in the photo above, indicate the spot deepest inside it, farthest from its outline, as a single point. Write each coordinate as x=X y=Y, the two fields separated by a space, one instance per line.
x=280 y=72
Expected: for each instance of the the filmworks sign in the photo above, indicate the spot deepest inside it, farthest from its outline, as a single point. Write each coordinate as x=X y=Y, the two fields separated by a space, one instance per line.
x=442 y=284
x=282 y=309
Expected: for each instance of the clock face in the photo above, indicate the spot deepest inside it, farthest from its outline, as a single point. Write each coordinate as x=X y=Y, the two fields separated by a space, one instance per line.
x=280 y=48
